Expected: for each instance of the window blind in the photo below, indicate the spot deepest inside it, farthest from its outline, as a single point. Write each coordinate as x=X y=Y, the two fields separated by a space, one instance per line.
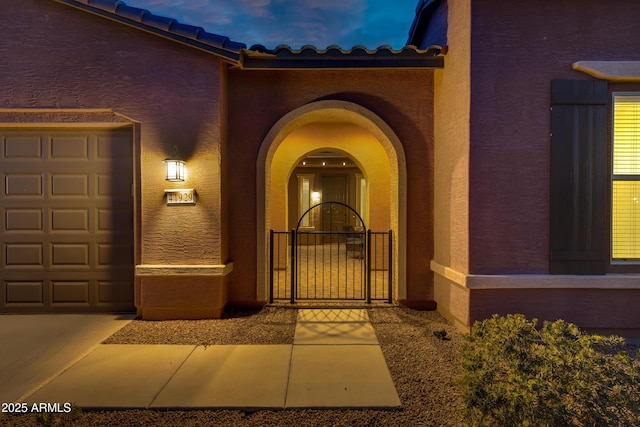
x=625 y=211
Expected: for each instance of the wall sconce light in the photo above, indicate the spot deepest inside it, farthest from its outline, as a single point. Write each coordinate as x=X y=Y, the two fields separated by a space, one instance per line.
x=175 y=167
x=175 y=170
x=315 y=197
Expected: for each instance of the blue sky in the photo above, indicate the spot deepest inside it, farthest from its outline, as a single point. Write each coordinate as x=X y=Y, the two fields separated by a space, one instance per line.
x=321 y=23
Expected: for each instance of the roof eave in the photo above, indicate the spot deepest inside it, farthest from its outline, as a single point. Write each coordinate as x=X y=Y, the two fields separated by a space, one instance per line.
x=336 y=58
x=232 y=56
x=260 y=63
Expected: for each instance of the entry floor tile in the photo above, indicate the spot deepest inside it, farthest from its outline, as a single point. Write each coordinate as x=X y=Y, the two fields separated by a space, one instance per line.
x=116 y=376
x=349 y=376
x=230 y=376
x=333 y=315
x=327 y=333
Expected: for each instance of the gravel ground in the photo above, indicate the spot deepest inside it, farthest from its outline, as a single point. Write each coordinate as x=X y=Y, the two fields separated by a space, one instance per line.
x=269 y=325
x=424 y=370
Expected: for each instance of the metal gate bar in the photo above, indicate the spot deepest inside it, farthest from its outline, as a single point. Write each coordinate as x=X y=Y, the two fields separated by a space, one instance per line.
x=380 y=260
x=329 y=265
x=280 y=275
x=309 y=265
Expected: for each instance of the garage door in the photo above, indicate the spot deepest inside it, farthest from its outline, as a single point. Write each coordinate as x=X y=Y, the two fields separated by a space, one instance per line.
x=67 y=220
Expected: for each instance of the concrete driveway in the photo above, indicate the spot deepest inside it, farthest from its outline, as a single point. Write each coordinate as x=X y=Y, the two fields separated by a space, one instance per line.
x=36 y=347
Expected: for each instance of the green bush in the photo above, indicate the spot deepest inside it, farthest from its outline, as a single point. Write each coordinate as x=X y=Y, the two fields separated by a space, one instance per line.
x=518 y=375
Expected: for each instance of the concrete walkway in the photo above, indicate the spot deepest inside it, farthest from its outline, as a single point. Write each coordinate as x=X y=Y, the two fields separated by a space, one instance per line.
x=334 y=362
x=34 y=348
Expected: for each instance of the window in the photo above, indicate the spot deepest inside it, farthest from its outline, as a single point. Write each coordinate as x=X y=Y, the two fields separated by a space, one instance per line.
x=625 y=206
x=305 y=184
x=361 y=197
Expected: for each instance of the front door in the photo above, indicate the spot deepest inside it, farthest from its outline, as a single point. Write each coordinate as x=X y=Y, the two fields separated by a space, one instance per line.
x=333 y=217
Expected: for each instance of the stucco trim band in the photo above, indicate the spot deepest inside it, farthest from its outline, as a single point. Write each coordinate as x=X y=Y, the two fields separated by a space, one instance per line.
x=536 y=281
x=153 y=270
x=72 y=117
x=614 y=71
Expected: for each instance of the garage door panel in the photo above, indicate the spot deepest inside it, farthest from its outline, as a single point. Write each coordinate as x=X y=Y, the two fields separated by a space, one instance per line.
x=70 y=220
x=114 y=292
x=114 y=147
x=114 y=185
x=23 y=220
x=69 y=185
x=23 y=185
x=67 y=211
x=114 y=255
x=25 y=292
x=114 y=219
x=20 y=254
x=74 y=292
x=69 y=254
x=70 y=292
x=69 y=148
x=23 y=147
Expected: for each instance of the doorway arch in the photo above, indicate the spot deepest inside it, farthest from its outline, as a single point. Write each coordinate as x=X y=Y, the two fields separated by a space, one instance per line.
x=277 y=158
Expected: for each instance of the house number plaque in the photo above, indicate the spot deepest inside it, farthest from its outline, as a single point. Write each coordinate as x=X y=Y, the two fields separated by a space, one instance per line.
x=182 y=196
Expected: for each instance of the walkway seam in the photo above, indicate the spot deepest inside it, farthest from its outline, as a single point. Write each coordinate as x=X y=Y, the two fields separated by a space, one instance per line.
x=171 y=377
x=286 y=390
x=65 y=368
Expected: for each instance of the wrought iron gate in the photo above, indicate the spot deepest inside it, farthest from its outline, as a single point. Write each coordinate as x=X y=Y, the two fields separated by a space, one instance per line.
x=348 y=263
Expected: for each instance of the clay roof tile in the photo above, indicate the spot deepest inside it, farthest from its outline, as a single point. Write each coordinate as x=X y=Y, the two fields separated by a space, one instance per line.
x=118 y=10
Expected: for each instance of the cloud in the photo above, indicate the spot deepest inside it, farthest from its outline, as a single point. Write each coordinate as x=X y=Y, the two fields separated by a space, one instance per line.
x=254 y=7
x=294 y=22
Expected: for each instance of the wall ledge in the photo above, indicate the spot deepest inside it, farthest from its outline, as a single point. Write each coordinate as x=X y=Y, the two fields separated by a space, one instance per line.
x=614 y=71
x=536 y=281
x=155 y=270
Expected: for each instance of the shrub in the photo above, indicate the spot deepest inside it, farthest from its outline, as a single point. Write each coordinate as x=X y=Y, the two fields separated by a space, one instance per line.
x=518 y=375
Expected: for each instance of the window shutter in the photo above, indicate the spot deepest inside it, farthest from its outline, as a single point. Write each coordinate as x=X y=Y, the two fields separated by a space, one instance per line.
x=578 y=177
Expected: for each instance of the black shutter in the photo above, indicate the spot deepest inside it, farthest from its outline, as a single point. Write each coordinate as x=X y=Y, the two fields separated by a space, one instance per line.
x=579 y=177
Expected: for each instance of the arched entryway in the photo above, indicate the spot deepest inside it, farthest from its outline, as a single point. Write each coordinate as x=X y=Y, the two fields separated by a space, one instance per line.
x=322 y=176
x=333 y=126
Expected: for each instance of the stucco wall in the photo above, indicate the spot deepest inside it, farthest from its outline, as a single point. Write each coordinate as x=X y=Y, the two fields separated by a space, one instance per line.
x=603 y=311
x=517 y=49
x=451 y=181
x=258 y=99
x=452 y=104
x=59 y=57
x=64 y=58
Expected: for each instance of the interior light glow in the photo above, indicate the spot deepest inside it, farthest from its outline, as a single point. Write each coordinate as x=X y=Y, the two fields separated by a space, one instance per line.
x=175 y=170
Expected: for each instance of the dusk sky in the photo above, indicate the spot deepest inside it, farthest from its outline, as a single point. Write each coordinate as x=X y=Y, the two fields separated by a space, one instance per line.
x=321 y=23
